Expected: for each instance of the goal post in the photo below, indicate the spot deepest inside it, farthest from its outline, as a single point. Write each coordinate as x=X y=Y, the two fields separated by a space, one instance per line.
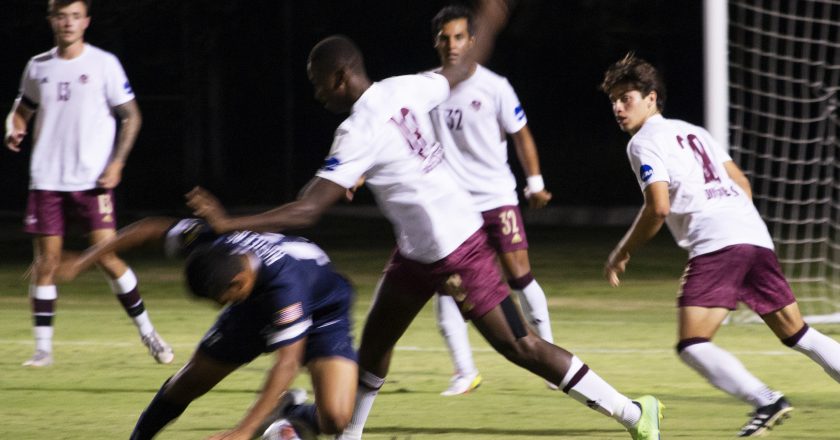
x=783 y=103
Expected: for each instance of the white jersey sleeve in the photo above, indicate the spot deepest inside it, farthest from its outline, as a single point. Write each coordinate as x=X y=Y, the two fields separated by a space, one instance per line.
x=118 y=90
x=30 y=93
x=511 y=115
x=647 y=163
x=349 y=158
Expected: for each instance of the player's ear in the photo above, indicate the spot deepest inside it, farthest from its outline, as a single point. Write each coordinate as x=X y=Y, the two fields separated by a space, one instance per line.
x=340 y=78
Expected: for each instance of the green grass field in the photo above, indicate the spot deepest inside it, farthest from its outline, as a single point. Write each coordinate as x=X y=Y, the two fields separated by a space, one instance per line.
x=103 y=378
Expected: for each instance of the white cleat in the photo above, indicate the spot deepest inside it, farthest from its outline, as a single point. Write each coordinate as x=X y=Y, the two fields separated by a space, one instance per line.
x=158 y=348
x=462 y=384
x=281 y=430
x=41 y=358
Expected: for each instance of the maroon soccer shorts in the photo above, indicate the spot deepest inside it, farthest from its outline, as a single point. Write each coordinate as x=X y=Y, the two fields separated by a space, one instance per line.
x=469 y=274
x=505 y=229
x=746 y=273
x=48 y=212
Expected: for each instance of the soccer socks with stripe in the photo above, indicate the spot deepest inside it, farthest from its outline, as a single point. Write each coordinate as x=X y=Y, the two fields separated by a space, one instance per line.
x=533 y=304
x=42 y=301
x=453 y=328
x=369 y=385
x=125 y=288
x=820 y=348
x=585 y=386
x=725 y=371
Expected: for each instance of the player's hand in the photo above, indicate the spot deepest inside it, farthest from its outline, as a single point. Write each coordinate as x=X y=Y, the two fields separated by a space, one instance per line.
x=615 y=266
x=205 y=205
x=14 y=138
x=111 y=177
x=538 y=199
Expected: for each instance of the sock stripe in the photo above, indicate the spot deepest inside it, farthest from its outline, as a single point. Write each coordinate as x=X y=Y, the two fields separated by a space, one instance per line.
x=685 y=343
x=521 y=282
x=793 y=340
x=576 y=378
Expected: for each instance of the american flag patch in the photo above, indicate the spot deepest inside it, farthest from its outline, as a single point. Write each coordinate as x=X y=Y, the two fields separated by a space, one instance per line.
x=288 y=314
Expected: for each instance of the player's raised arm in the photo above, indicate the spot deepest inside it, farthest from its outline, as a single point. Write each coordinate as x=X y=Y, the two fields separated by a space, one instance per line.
x=146 y=231
x=318 y=195
x=490 y=18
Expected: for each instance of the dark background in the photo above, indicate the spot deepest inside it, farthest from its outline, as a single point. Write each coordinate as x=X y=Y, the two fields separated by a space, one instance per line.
x=226 y=103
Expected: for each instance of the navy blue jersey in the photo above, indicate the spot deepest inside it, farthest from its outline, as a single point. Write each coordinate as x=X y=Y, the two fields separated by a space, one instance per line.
x=297 y=292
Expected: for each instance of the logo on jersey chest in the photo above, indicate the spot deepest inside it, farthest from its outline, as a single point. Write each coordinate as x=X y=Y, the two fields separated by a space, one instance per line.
x=476 y=105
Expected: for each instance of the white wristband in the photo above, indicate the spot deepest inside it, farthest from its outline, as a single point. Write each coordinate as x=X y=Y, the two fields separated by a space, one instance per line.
x=535 y=184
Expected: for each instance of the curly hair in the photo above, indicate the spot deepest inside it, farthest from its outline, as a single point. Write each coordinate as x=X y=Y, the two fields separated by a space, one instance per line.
x=639 y=75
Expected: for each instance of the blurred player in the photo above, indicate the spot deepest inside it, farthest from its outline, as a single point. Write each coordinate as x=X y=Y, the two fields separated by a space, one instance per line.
x=74 y=91
x=691 y=184
x=472 y=125
x=388 y=138
x=283 y=296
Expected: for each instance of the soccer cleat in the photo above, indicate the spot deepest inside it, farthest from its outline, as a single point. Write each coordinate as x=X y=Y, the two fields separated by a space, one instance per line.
x=462 y=384
x=281 y=430
x=289 y=399
x=765 y=417
x=41 y=358
x=158 y=348
x=647 y=428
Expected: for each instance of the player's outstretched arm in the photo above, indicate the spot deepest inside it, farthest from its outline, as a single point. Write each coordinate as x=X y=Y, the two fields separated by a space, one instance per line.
x=287 y=362
x=16 y=123
x=648 y=222
x=142 y=232
x=316 y=197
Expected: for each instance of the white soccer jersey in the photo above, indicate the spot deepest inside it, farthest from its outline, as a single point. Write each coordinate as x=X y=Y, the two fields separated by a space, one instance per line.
x=388 y=138
x=74 y=127
x=473 y=125
x=709 y=211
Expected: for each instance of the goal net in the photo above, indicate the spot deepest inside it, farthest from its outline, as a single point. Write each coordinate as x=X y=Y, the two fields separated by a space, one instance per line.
x=784 y=79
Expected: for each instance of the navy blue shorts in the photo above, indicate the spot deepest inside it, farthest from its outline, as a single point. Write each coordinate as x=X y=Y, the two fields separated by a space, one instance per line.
x=240 y=333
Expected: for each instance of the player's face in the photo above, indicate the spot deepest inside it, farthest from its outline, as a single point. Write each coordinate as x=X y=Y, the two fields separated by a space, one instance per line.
x=69 y=23
x=631 y=109
x=327 y=89
x=453 y=42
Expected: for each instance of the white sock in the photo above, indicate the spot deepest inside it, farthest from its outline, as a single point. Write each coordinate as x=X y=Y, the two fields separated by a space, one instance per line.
x=43 y=333
x=585 y=386
x=453 y=328
x=726 y=372
x=821 y=349
x=125 y=284
x=535 y=307
x=369 y=386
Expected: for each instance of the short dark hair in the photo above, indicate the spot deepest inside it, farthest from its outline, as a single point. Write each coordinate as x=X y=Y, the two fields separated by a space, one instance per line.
x=453 y=12
x=337 y=52
x=54 y=5
x=639 y=75
x=209 y=269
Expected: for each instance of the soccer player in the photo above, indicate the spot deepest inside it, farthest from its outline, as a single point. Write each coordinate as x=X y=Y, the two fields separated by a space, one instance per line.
x=472 y=125
x=283 y=296
x=74 y=91
x=441 y=247
x=691 y=184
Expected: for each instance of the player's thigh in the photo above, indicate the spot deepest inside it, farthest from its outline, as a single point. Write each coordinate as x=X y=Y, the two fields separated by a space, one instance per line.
x=334 y=381
x=110 y=263
x=392 y=311
x=198 y=376
x=515 y=263
x=785 y=322
x=700 y=322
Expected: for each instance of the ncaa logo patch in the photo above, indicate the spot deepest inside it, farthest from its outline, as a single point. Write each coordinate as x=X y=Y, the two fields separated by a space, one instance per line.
x=645 y=171
x=127 y=88
x=519 y=113
x=331 y=163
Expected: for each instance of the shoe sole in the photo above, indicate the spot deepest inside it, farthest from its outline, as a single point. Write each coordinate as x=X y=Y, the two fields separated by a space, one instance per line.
x=777 y=419
x=473 y=385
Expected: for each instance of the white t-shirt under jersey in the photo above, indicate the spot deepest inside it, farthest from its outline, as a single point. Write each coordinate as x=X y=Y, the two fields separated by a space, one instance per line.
x=709 y=211
x=74 y=125
x=473 y=125
x=388 y=138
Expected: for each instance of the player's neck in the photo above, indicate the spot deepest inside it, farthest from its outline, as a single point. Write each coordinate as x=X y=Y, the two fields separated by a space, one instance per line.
x=72 y=50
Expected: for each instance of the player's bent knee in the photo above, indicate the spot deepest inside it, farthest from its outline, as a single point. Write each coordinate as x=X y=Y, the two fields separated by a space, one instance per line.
x=334 y=422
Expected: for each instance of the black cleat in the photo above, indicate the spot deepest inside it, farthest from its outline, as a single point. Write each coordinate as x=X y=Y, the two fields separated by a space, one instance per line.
x=766 y=417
